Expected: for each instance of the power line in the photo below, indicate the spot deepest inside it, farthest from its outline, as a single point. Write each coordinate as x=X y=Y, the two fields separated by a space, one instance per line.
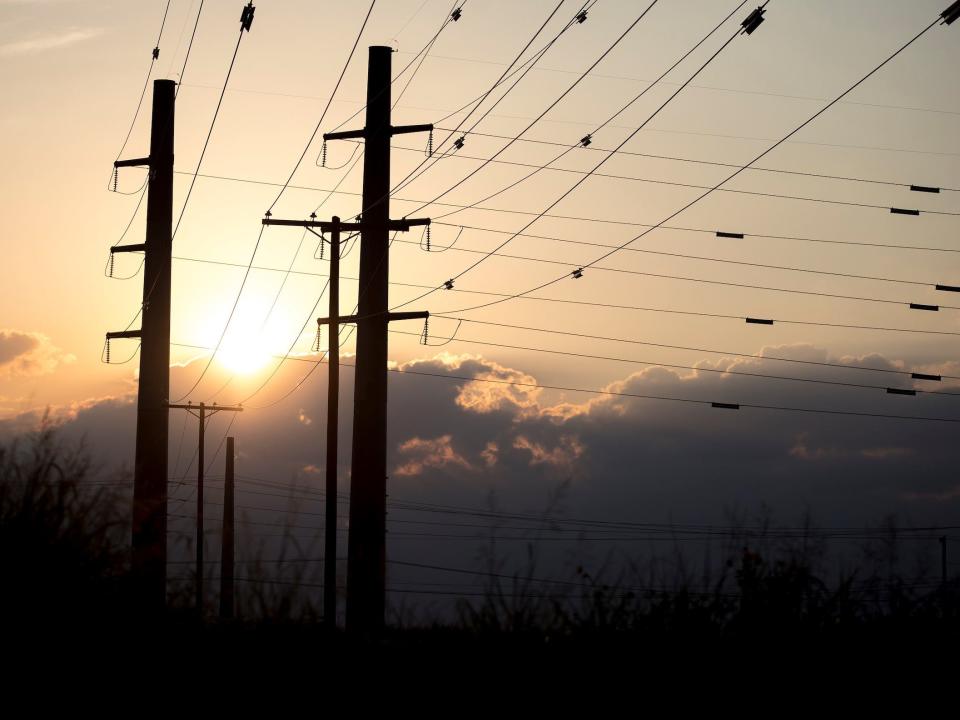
x=857 y=298
x=580 y=218
x=587 y=336
x=550 y=107
x=413 y=174
x=594 y=391
x=695 y=161
x=146 y=83
x=587 y=140
x=213 y=121
x=323 y=115
x=651 y=363
x=729 y=177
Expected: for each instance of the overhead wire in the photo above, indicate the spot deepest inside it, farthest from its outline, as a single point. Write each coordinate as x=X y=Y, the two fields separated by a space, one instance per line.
x=763 y=154
x=598 y=220
x=587 y=140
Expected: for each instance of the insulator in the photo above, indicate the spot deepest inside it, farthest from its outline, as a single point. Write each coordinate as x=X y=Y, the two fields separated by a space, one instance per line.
x=116 y=176
x=753 y=21
x=428 y=238
x=322 y=244
x=110 y=266
x=108 y=351
x=246 y=17
x=318 y=339
x=425 y=337
x=323 y=162
x=430 y=144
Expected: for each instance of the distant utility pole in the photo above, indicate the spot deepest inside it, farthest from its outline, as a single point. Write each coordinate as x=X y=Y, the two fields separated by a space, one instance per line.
x=227 y=542
x=202 y=412
x=943 y=560
x=334 y=320
x=149 y=539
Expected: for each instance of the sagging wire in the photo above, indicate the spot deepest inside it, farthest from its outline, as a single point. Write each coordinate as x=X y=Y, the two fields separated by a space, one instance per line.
x=322 y=158
x=105 y=354
x=114 y=181
x=109 y=270
x=425 y=340
x=426 y=246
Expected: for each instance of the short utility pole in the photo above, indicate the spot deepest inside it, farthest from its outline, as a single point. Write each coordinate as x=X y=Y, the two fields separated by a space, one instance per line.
x=334 y=320
x=149 y=540
x=227 y=539
x=202 y=412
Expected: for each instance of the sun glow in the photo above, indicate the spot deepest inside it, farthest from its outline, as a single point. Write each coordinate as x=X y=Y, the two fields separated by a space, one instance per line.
x=243 y=355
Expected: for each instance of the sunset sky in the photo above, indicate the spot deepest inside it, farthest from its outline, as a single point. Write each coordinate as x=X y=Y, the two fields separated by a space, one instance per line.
x=73 y=72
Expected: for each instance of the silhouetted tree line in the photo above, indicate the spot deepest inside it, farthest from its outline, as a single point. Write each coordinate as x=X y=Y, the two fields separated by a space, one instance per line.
x=64 y=540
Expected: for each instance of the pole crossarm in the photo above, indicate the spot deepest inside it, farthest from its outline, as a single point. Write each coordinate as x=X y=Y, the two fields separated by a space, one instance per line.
x=139 y=247
x=210 y=409
x=133 y=162
x=350 y=319
x=124 y=334
x=402 y=225
x=362 y=134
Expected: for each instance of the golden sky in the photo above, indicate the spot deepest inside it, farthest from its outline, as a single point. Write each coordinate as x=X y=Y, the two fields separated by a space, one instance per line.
x=72 y=73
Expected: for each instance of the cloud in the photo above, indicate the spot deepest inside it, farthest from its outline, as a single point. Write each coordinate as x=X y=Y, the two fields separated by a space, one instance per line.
x=452 y=442
x=435 y=453
x=28 y=354
x=43 y=43
x=562 y=455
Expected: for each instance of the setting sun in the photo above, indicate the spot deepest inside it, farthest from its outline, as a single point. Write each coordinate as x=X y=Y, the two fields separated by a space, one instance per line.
x=243 y=355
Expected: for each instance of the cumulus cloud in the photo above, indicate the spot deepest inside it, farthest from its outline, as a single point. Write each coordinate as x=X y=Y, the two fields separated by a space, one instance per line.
x=27 y=354
x=561 y=455
x=429 y=453
x=631 y=458
x=52 y=41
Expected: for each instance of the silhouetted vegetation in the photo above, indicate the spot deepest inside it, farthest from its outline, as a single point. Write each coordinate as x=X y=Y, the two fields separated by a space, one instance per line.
x=64 y=542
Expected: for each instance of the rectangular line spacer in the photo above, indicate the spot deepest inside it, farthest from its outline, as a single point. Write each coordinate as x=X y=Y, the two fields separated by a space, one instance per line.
x=725 y=406
x=733 y=235
x=921 y=306
x=904 y=211
x=759 y=321
x=900 y=391
x=924 y=376
x=924 y=188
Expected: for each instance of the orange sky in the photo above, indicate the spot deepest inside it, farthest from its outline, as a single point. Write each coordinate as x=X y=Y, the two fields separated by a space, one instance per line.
x=72 y=73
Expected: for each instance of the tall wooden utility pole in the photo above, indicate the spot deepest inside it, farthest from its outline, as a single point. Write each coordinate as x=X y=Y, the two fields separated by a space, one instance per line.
x=149 y=540
x=227 y=541
x=334 y=321
x=202 y=412
x=366 y=555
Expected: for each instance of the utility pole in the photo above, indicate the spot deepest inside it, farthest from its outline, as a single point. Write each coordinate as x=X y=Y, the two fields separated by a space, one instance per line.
x=943 y=561
x=202 y=412
x=226 y=543
x=149 y=525
x=334 y=320
x=366 y=552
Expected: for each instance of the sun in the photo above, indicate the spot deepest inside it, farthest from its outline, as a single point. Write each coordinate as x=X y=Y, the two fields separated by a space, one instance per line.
x=243 y=355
